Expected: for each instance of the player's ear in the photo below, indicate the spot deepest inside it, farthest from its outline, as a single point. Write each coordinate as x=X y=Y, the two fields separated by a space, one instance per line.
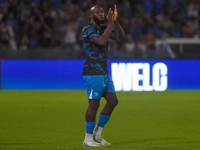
x=91 y=15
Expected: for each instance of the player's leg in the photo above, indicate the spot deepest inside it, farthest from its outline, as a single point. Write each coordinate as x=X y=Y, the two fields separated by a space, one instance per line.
x=111 y=98
x=90 y=117
x=94 y=93
x=112 y=101
x=104 y=116
x=93 y=105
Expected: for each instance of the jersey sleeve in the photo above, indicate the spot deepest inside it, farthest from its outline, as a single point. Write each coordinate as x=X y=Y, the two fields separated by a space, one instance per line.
x=112 y=33
x=89 y=33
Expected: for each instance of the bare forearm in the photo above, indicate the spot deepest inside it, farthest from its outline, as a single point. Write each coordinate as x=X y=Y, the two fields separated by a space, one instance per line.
x=120 y=31
x=103 y=39
x=106 y=35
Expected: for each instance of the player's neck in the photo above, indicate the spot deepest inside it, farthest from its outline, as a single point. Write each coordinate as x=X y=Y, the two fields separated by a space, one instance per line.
x=95 y=24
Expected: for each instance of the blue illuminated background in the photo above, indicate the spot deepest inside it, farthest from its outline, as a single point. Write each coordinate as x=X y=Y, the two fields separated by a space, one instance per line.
x=67 y=74
x=41 y=74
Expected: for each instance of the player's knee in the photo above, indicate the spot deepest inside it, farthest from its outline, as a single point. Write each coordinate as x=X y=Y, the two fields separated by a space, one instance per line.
x=96 y=107
x=93 y=107
x=91 y=111
x=114 y=103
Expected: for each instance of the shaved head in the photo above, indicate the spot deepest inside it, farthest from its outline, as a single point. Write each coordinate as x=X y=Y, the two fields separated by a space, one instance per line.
x=95 y=8
x=97 y=14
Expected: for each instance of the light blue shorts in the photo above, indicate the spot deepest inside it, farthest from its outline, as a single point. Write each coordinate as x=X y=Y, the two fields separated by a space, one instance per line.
x=97 y=84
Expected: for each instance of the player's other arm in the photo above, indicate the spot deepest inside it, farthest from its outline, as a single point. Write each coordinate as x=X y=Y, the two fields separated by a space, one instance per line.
x=103 y=39
x=120 y=35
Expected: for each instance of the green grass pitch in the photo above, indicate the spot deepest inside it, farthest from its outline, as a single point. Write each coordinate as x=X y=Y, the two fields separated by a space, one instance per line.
x=54 y=120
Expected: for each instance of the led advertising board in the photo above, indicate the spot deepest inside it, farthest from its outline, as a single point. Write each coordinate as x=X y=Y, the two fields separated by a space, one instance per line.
x=128 y=75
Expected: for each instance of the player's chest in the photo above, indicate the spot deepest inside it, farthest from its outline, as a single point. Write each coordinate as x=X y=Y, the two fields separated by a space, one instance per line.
x=101 y=31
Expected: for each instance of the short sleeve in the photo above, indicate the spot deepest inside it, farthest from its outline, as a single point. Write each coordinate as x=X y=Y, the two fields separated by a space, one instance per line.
x=112 y=33
x=90 y=33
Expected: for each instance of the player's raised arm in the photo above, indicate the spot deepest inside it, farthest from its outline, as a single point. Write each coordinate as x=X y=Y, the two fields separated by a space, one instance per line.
x=103 y=39
x=120 y=35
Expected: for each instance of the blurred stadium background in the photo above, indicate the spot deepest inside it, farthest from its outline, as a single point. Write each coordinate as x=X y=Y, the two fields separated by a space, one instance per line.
x=52 y=28
x=42 y=101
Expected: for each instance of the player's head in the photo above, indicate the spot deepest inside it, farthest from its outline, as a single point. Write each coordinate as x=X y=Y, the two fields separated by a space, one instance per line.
x=97 y=14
